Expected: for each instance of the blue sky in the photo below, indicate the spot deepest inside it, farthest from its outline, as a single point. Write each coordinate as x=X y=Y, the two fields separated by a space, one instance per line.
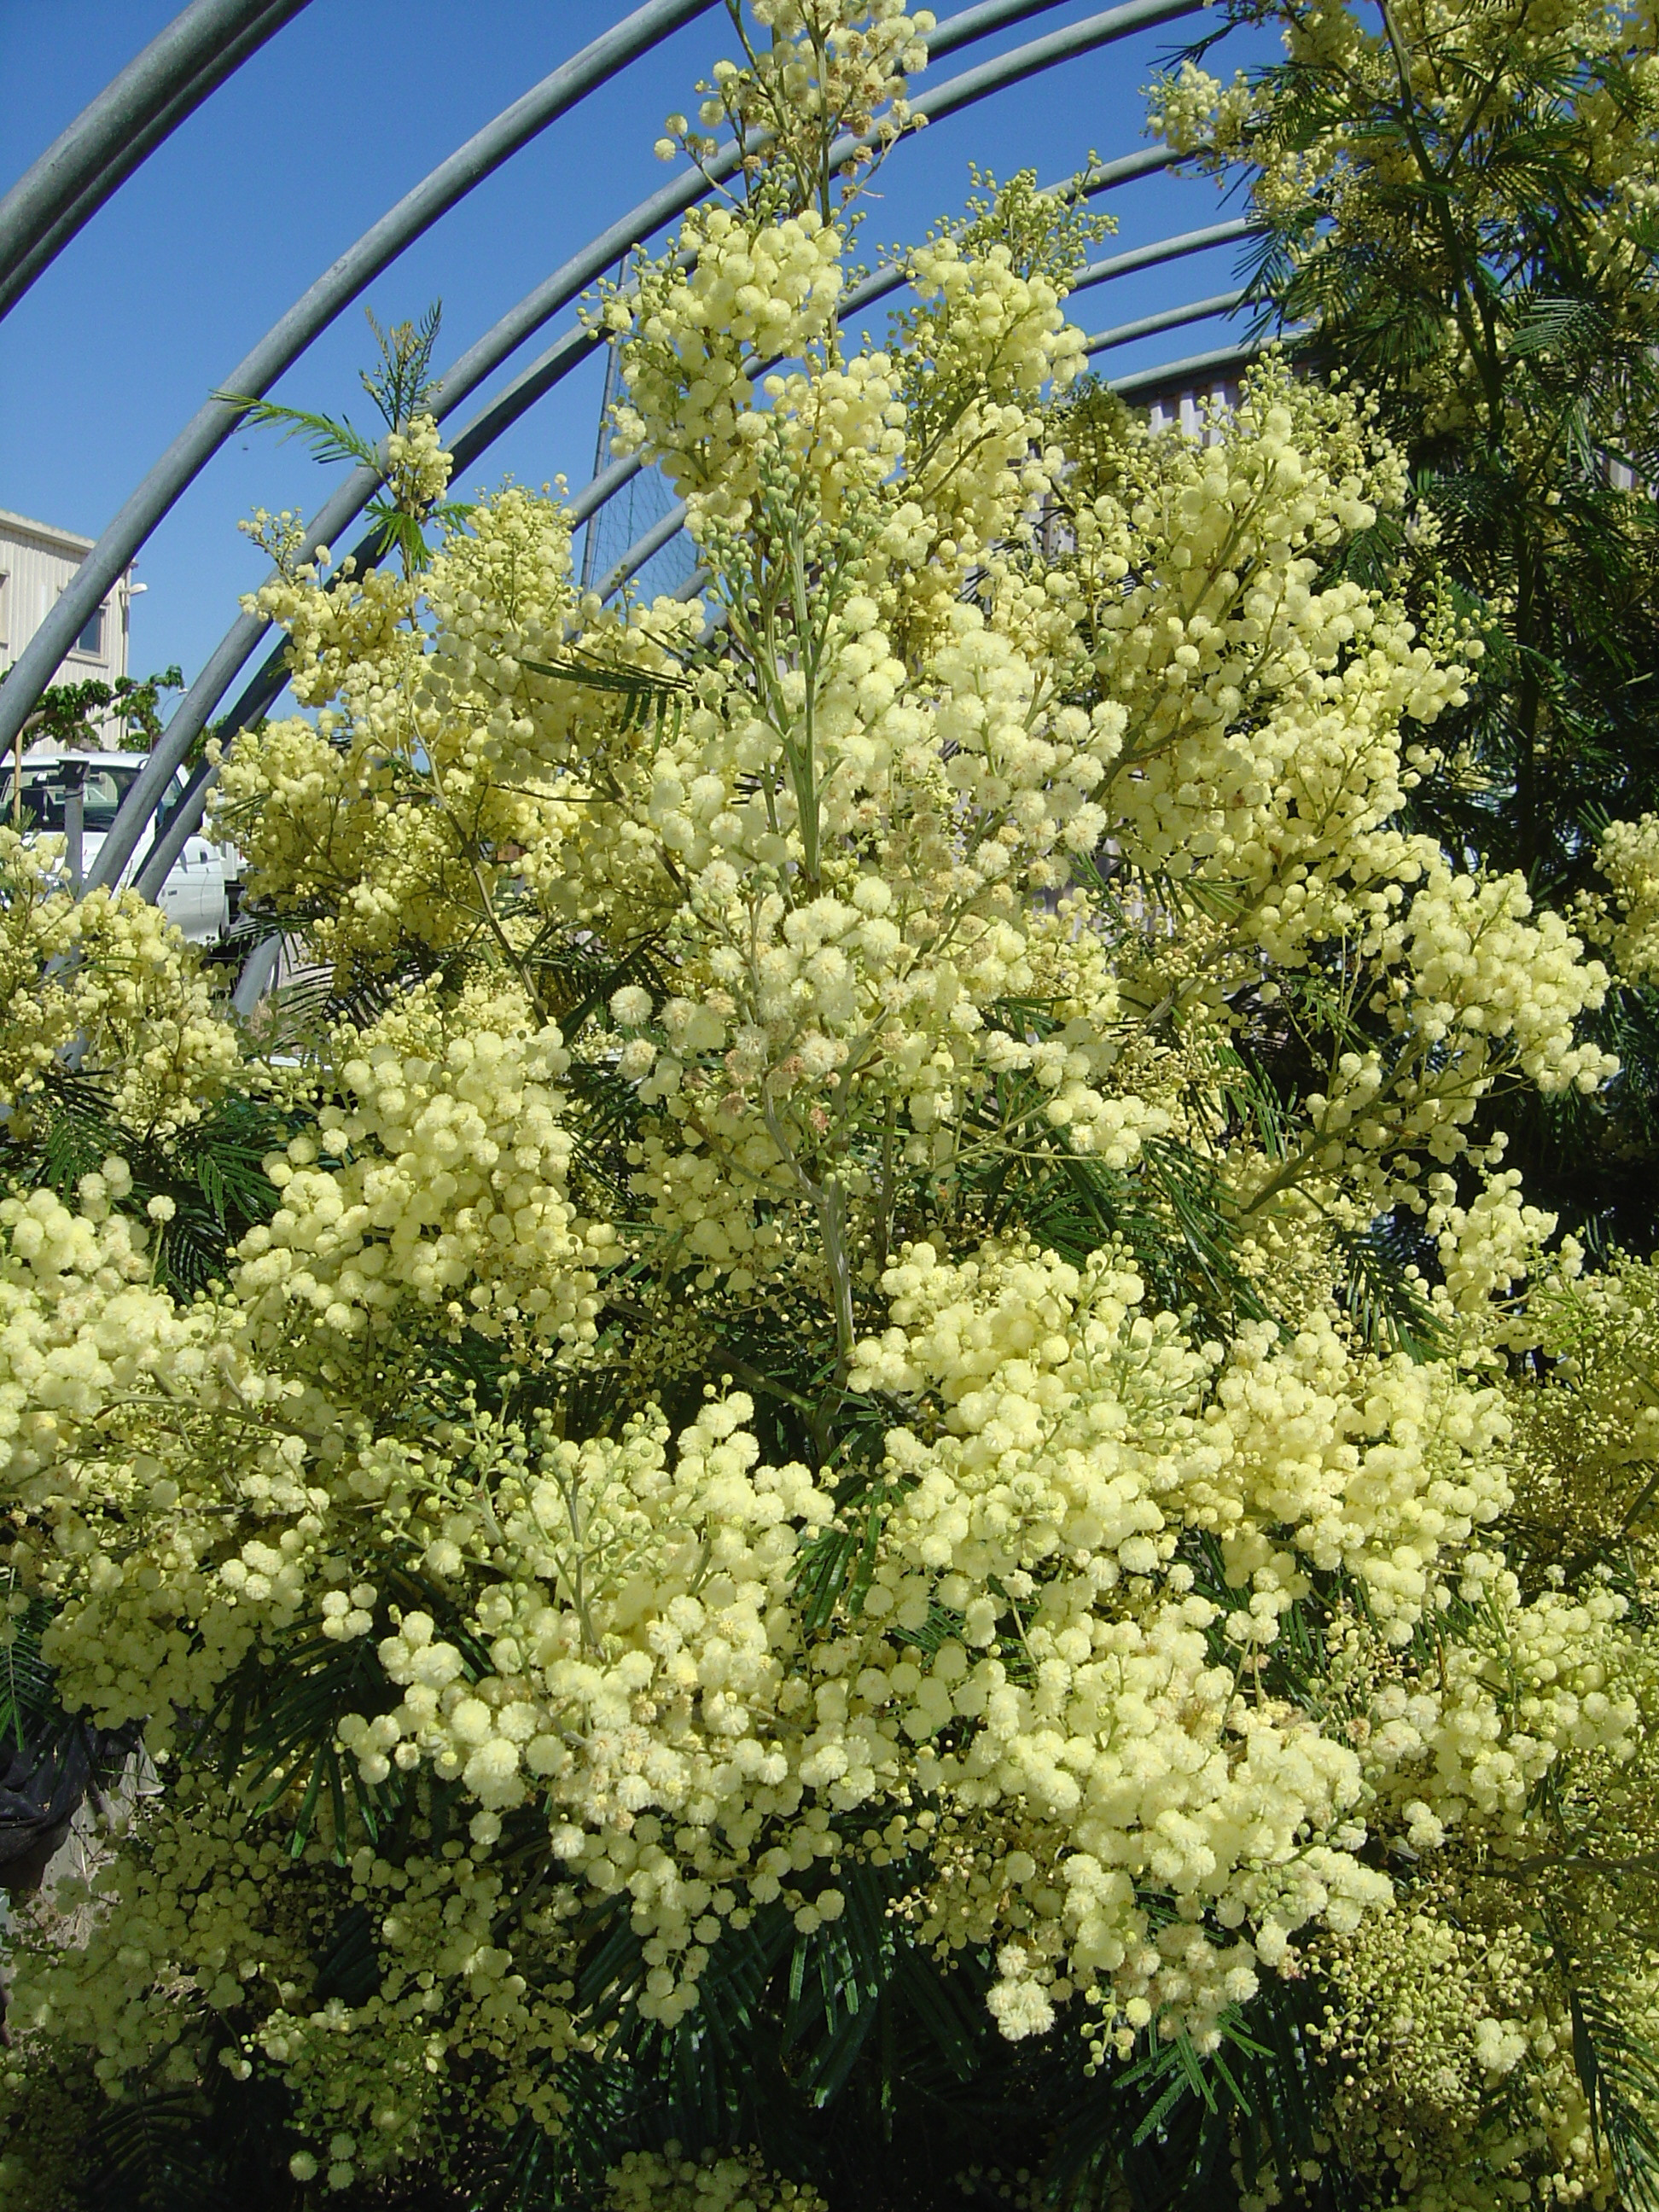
x=209 y=242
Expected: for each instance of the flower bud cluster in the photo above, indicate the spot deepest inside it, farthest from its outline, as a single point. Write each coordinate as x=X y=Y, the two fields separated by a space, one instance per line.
x=425 y=741
x=829 y=71
x=1492 y=1245
x=1628 y=857
x=648 y=2181
x=417 y=467
x=108 y=977
x=82 y=1322
x=1194 y=112
x=1481 y=967
x=449 y=1195
x=749 y=297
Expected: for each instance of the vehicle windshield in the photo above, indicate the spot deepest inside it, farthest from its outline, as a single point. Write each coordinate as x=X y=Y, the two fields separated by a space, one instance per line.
x=108 y=784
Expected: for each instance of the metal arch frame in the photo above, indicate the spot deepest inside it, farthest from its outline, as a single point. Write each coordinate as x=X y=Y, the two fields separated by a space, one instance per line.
x=147 y=101
x=946 y=100
x=543 y=374
x=949 y=98
x=1165 y=249
x=213 y=423
x=260 y=966
x=130 y=118
x=1168 y=319
x=538 y=307
x=534 y=310
x=667 y=527
x=540 y=378
x=605 y=485
x=1219 y=362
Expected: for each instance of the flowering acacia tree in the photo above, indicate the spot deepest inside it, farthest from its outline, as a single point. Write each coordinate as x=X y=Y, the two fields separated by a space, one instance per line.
x=1459 y=207
x=890 y=1419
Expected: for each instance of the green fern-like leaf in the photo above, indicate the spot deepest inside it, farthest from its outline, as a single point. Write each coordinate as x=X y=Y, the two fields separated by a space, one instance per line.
x=1382 y=1292
x=649 y=696
x=1619 y=2073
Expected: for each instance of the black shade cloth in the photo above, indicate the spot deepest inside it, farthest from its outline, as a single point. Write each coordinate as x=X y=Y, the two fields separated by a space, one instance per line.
x=43 y=1781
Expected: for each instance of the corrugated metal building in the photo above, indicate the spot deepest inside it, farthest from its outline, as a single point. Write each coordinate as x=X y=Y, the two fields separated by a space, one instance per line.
x=36 y=561
x=1184 y=403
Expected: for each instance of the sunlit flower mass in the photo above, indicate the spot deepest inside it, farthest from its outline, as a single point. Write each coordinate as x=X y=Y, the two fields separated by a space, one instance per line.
x=791 y=1343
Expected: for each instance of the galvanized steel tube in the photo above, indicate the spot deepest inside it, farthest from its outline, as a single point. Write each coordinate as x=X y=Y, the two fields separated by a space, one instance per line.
x=127 y=121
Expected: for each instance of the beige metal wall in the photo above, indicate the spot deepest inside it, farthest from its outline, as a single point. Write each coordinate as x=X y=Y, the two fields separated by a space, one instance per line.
x=36 y=561
x=1185 y=406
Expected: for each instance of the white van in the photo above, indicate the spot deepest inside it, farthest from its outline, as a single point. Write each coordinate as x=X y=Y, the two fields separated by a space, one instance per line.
x=198 y=893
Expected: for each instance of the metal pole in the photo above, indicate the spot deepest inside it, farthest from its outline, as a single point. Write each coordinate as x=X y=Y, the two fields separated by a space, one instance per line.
x=1171 y=319
x=202 y=437
x=51 y=241
x=1221 y=361
x=1163 y=250
x=258 y=973
x=979 y=21
x=612 y=373
x=1039 y=54
x=111 y=135
x=1127 y=169
x=75 y=786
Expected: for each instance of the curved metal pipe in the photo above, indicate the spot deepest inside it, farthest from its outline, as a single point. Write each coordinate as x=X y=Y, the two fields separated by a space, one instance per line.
x=1145 y=382
x=129 y=118
x=258 y=973
x=359 y=265
x=540 y=377
x=1126 y=169
x=979 y=21
x=661 y=533
x=1170 y=318
x=1165 y=249
x=1038 y=54
x=107 y=181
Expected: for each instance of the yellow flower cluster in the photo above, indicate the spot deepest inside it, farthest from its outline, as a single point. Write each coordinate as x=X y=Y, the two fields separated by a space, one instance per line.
x=645 y=2182
x=1194 y=113
x=748 y=297
x=449 y=1198
x=108 y=979
x=1629 y=858
x=417 y=466
x=826 y=70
